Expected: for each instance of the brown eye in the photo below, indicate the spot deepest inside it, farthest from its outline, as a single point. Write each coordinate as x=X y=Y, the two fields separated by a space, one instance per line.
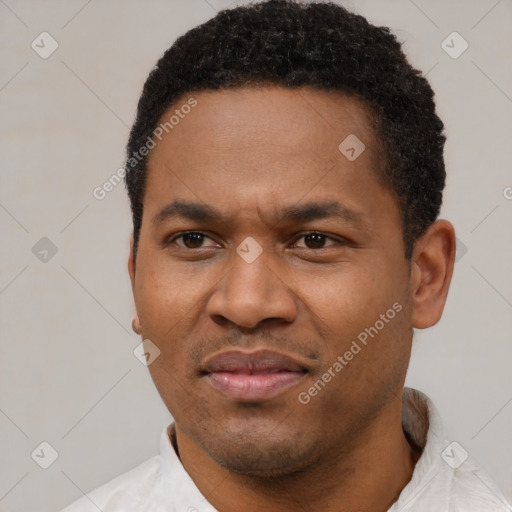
x=190 y=240
x=315 y=240
x=193 y=240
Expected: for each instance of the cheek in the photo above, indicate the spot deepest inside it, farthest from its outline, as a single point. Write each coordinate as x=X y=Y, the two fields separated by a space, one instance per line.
x=164 y=292
x=345 y=303
x=170 y=301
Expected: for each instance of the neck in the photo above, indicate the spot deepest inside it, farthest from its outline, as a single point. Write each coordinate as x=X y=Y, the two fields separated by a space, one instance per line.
x=368 y=475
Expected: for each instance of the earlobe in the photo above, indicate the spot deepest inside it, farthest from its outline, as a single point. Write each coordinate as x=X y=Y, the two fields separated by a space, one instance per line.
x=431 y=273
x=136 y=328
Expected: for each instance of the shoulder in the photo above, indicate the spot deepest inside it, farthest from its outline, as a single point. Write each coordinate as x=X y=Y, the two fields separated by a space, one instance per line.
x=124 y=492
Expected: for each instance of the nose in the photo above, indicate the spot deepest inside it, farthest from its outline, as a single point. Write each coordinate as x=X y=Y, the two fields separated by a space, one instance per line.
x=251 y=293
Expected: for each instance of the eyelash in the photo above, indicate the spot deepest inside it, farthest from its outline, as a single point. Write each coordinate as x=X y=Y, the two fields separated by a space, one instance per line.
x=169 y=241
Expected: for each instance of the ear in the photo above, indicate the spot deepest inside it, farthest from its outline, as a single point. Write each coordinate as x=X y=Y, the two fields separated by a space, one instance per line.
x=431 y=273
x=131 y=271
x=131 y=264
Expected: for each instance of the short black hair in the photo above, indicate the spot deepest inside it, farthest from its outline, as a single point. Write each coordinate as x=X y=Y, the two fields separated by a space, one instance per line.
x=321 y=45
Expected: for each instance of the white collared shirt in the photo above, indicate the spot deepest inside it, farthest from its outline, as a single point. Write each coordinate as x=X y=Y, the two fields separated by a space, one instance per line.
x=445 y=479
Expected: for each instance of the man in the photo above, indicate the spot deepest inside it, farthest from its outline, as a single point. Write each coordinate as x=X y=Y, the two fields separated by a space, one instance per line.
x=285 y=173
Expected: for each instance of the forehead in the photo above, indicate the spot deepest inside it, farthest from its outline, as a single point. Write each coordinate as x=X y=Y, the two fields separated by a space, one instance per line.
x=262 y=147
x=301 y=119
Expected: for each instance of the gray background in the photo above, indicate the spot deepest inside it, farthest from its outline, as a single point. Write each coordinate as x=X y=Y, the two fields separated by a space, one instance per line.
x=68 y=373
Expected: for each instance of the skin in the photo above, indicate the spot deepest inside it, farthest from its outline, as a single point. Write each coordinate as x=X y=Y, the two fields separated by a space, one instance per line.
x=250 y=153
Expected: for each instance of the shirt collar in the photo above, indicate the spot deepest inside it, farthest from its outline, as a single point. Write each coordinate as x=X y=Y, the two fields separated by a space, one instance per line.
x=422 y=425
x=187 y=497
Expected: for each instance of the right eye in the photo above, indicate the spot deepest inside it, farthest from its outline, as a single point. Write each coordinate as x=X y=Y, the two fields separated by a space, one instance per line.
x=190 y=239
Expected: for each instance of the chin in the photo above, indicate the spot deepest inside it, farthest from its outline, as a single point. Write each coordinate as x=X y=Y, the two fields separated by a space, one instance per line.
x=261 y=453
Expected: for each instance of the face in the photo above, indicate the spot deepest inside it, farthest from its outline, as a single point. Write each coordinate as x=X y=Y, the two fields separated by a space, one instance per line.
x=271 y=275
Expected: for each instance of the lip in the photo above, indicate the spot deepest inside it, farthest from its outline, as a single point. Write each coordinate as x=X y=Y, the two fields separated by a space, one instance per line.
x=253 y=376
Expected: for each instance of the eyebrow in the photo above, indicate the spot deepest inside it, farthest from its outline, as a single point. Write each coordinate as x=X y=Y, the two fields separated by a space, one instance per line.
x=296 y=213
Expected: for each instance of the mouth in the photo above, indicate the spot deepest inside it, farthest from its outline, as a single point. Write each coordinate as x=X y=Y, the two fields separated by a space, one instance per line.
x=253 y=376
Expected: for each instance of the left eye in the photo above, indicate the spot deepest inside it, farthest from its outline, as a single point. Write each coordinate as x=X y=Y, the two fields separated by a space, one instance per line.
x=315 y=240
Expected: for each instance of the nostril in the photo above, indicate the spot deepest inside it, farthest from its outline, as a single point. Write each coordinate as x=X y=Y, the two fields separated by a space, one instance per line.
x=220 y=320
